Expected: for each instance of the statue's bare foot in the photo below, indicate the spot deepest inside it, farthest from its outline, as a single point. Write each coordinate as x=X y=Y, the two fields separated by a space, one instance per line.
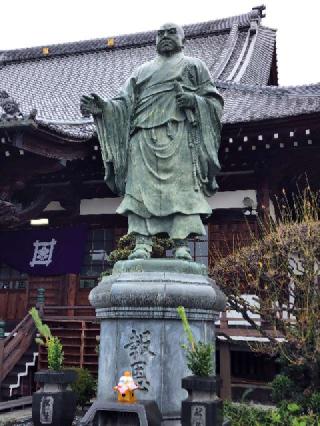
x=183 y=253
x=139 y=253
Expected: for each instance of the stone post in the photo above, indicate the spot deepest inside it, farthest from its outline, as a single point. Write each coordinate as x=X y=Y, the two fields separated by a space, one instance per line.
x=2 y=328
x=41 y=297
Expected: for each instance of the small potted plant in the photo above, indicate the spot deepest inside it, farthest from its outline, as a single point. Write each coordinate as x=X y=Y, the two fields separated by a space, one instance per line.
x=54 y=403
x=202 y=405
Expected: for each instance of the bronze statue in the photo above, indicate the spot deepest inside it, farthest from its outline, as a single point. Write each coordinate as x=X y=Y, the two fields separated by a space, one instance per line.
x=159 y=141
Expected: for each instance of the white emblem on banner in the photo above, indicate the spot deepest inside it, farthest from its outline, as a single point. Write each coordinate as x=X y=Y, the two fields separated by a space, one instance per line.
x=43 y=251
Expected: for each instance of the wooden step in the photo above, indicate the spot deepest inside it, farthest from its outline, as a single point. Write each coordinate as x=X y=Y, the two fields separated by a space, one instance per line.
x=79 y=341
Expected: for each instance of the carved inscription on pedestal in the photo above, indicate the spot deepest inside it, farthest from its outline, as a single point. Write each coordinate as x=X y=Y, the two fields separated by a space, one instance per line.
x=198 y=415
x=46 y=410
x=138 y=348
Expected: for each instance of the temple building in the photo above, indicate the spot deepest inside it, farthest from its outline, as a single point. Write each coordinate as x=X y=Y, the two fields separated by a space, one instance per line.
x=57 y=216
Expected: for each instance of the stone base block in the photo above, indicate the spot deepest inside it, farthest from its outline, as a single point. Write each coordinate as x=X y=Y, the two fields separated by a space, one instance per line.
x=151 y=350
x=111 y=413
x=55 y=409
x=205 y=413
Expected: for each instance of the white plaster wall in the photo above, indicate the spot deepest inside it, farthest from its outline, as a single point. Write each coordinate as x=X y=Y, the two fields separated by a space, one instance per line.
x=99 y=205
x=221 y=200
x=53 y=206
x=231 y=199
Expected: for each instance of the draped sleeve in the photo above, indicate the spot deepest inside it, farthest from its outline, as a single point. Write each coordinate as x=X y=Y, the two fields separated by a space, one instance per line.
x=209 y=107
x=113 y=129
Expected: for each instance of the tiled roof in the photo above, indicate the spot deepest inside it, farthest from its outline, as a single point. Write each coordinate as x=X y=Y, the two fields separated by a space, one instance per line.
x=237 y=50
x=245 y=103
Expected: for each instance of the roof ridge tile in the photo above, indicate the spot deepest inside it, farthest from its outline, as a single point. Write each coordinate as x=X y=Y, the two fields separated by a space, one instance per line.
x=125 y=40
x=312 y=89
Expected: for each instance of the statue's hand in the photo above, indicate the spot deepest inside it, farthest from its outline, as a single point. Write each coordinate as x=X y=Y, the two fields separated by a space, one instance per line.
x=185 y=100
x=91 y=105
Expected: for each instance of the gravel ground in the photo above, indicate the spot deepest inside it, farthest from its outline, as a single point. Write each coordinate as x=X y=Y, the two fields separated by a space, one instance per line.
x=23 y=418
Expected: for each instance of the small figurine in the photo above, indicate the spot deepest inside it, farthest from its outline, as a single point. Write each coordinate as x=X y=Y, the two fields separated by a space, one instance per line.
x=126 y=388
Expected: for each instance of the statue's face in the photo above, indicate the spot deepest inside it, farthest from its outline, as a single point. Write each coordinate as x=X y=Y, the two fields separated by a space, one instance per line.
x=170 y=39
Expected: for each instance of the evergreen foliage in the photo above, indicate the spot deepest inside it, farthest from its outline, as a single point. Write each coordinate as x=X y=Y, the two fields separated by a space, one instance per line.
x=199 y=355
x=85 y=386
x=283 y=388
x=53 y=344
x=246 y=415
x=55 y=354
x=295 y=386
x=289 y=414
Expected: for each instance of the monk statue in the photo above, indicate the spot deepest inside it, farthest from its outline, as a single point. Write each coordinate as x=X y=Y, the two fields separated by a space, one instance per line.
x=159 y=141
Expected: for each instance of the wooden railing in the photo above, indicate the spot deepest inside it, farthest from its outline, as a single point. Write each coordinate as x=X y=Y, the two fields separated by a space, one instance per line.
x=13 y=347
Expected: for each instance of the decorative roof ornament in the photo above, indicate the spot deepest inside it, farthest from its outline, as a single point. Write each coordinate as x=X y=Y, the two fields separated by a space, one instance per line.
x=9 y=105
x=8 y=213
x=260 y=10
x=110 y=42
x=258 y=14
x=11 y=110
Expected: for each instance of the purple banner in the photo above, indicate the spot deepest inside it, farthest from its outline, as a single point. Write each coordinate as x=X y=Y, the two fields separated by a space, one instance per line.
x=44 y=251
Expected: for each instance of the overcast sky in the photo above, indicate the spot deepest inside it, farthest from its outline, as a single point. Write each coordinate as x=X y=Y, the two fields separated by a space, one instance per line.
x=27 y=23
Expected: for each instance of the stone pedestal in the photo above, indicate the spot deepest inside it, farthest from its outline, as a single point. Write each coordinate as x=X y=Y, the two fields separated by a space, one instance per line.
x=202 y=407
x=110 y=413
x=142 y=332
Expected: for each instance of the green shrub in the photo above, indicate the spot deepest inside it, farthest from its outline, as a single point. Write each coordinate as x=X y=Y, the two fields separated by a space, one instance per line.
x=314 y=402
x=298 y=373
x=85 y=386
x=286 y=415
x=199 y=355
x=53 y=344
x=283 y=389
x=199 y=359
x=55 y=354
x=245 y=415
x=292 y=415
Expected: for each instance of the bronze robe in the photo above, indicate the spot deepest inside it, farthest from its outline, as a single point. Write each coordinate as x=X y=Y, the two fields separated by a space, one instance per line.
x=153 y=155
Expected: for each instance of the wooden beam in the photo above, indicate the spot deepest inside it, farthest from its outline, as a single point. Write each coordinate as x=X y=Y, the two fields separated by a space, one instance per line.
x=225 y=370
x=82 y=344
x=71 y=288
x=41 y=143
x=1 y=355
x=263 y=191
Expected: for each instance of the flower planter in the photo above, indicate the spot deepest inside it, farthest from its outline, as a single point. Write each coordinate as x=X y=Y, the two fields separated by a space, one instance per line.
x=54 y=403
x=202 y=406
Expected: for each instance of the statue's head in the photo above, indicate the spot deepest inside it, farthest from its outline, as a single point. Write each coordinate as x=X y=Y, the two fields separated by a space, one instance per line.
x=170 y=39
